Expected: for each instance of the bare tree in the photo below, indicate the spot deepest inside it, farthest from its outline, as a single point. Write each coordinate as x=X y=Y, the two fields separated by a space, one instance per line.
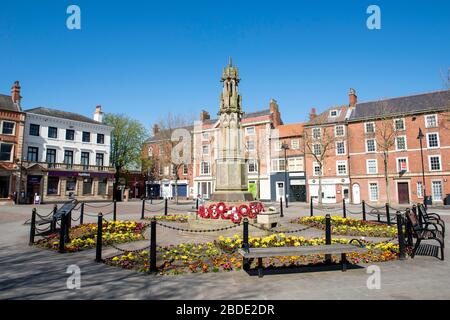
x=171 y=138
x=319 y=143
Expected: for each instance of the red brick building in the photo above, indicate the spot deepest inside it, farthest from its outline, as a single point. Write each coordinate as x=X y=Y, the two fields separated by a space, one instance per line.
x=12 y=121
x=386 y=131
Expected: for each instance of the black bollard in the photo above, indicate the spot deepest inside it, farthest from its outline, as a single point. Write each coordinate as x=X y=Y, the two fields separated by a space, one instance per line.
x=153 y=246
x=98 y=246
x=281 y=207
x=68 y=218
x=62 y=234
x=400 y=237
x=364 y=210
x=388 y=215
x=165 y=207
x=143 y=209
x=311 y=207
x=344 y=214
x=33 y=226
x=245 y=245
x=196 y=203
x=328 y=236
x=82 y=213
x=115 y=210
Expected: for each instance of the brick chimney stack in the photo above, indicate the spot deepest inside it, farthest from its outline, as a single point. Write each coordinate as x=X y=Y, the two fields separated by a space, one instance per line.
x=204 y=115
x=98 y=114
x=273 y=106
x=353 y=99
x=313 y=114
x=155 y=129
x=15 y=93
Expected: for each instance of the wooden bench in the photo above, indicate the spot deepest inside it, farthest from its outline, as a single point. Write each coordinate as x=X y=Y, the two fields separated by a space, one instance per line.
x=327 y=250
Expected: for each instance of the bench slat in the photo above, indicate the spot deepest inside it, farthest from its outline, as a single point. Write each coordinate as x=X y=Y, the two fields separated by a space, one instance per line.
x=301 y=250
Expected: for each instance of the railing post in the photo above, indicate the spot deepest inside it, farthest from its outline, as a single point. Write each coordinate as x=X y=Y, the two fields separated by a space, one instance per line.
x=311 y=207
x=82 y=213
x=388 y=215
x=400 y=236
x=328 y=236
x=165 y=206
x=153 y=245
x=62 y=235
x=115 y=210
x=281 y=207
x=364 y=210
x=245 y=245
x=143 y=209
x=33 y=226
x=98 y=246
x=344 y=214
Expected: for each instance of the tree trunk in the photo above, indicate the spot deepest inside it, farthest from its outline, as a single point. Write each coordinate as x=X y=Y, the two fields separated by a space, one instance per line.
x=116 y=182
x=386 y=178
x=319 y=192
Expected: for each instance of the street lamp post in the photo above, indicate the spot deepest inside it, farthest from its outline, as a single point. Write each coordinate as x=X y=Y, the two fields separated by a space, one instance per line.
x=420 y=136
x=285 y=147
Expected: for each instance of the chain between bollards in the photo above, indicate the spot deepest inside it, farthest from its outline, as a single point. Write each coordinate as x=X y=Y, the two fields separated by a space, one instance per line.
x=98 y=246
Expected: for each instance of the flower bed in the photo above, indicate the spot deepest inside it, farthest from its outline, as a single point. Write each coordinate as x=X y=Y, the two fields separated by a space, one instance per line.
x=350 y=227
x=222 y=256
x=84 y=236
x=181 y=218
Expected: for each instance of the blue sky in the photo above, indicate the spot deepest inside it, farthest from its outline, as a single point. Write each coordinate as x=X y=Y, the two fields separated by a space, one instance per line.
x=146 y=58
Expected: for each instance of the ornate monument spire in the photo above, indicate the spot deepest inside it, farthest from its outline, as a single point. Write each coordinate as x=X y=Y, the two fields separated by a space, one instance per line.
x=230 y=99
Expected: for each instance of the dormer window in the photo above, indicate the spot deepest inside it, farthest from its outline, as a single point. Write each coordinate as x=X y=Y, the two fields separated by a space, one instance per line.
x=334 y=113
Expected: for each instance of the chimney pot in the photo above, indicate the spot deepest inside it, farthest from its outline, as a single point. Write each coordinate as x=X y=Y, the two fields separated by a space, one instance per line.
x=98 y=114
x=155 y=129
x=352 y=97
x=15 y=93
x=204 y=115
x=313 y=113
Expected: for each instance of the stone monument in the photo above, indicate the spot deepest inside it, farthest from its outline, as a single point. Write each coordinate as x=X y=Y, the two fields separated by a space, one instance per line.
x=231 y=172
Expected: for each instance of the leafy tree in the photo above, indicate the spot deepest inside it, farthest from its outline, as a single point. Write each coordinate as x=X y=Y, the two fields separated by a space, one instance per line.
x=127 y=139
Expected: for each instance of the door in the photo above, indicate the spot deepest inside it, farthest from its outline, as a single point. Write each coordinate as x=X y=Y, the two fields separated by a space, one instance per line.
x=279 y=191
x=356 y=194
x=403 y=192
x=252 y=188
x=298 y=193
x=329 y=193
x=4 y=187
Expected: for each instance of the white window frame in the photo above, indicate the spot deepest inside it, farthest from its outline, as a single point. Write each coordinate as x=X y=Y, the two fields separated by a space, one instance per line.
x=11 y=157
x=247 y=144
x=296 y=145
x=205 y=146
x=205 y=136
x=316 y=164
x=341 y=162
x=316 y=130
x=438 y=140
x=345 y=148
x=396 y=143
x=150 y=151
x=296 y=167
x=343 y=130
x=426 y=120
x=432 y=190
x=8 y=134
x=314 y=149
x=397 y=162
x=251 y=133
x=419 y=193
x=277 y=167
x=370 y=193
x=255 y=164
x=185 y=170
x=374 y=145
x=367 y=166
x=334 y=110
x=395 y=124
x=365 y=127
x=429 y=162
x=202 y=172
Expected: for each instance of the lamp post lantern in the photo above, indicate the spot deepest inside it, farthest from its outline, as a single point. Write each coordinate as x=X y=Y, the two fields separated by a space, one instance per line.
x=420 y=137
x=285 y=147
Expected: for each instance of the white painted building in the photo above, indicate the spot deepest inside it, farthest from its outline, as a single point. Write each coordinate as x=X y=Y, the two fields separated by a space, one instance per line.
x=66 y=155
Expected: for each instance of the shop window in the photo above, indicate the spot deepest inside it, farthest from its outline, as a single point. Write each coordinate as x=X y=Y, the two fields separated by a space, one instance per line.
x=71 y=184
x=87 y=186
x=52 y=185
x=102 y=186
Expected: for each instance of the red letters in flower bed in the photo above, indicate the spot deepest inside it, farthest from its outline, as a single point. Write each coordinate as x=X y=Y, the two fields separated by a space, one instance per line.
x=233 y=213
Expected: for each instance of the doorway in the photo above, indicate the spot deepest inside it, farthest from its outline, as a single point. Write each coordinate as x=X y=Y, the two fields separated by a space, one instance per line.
x=356 y=194
x=4 y=187
x=298 y=193
x=403 y=192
